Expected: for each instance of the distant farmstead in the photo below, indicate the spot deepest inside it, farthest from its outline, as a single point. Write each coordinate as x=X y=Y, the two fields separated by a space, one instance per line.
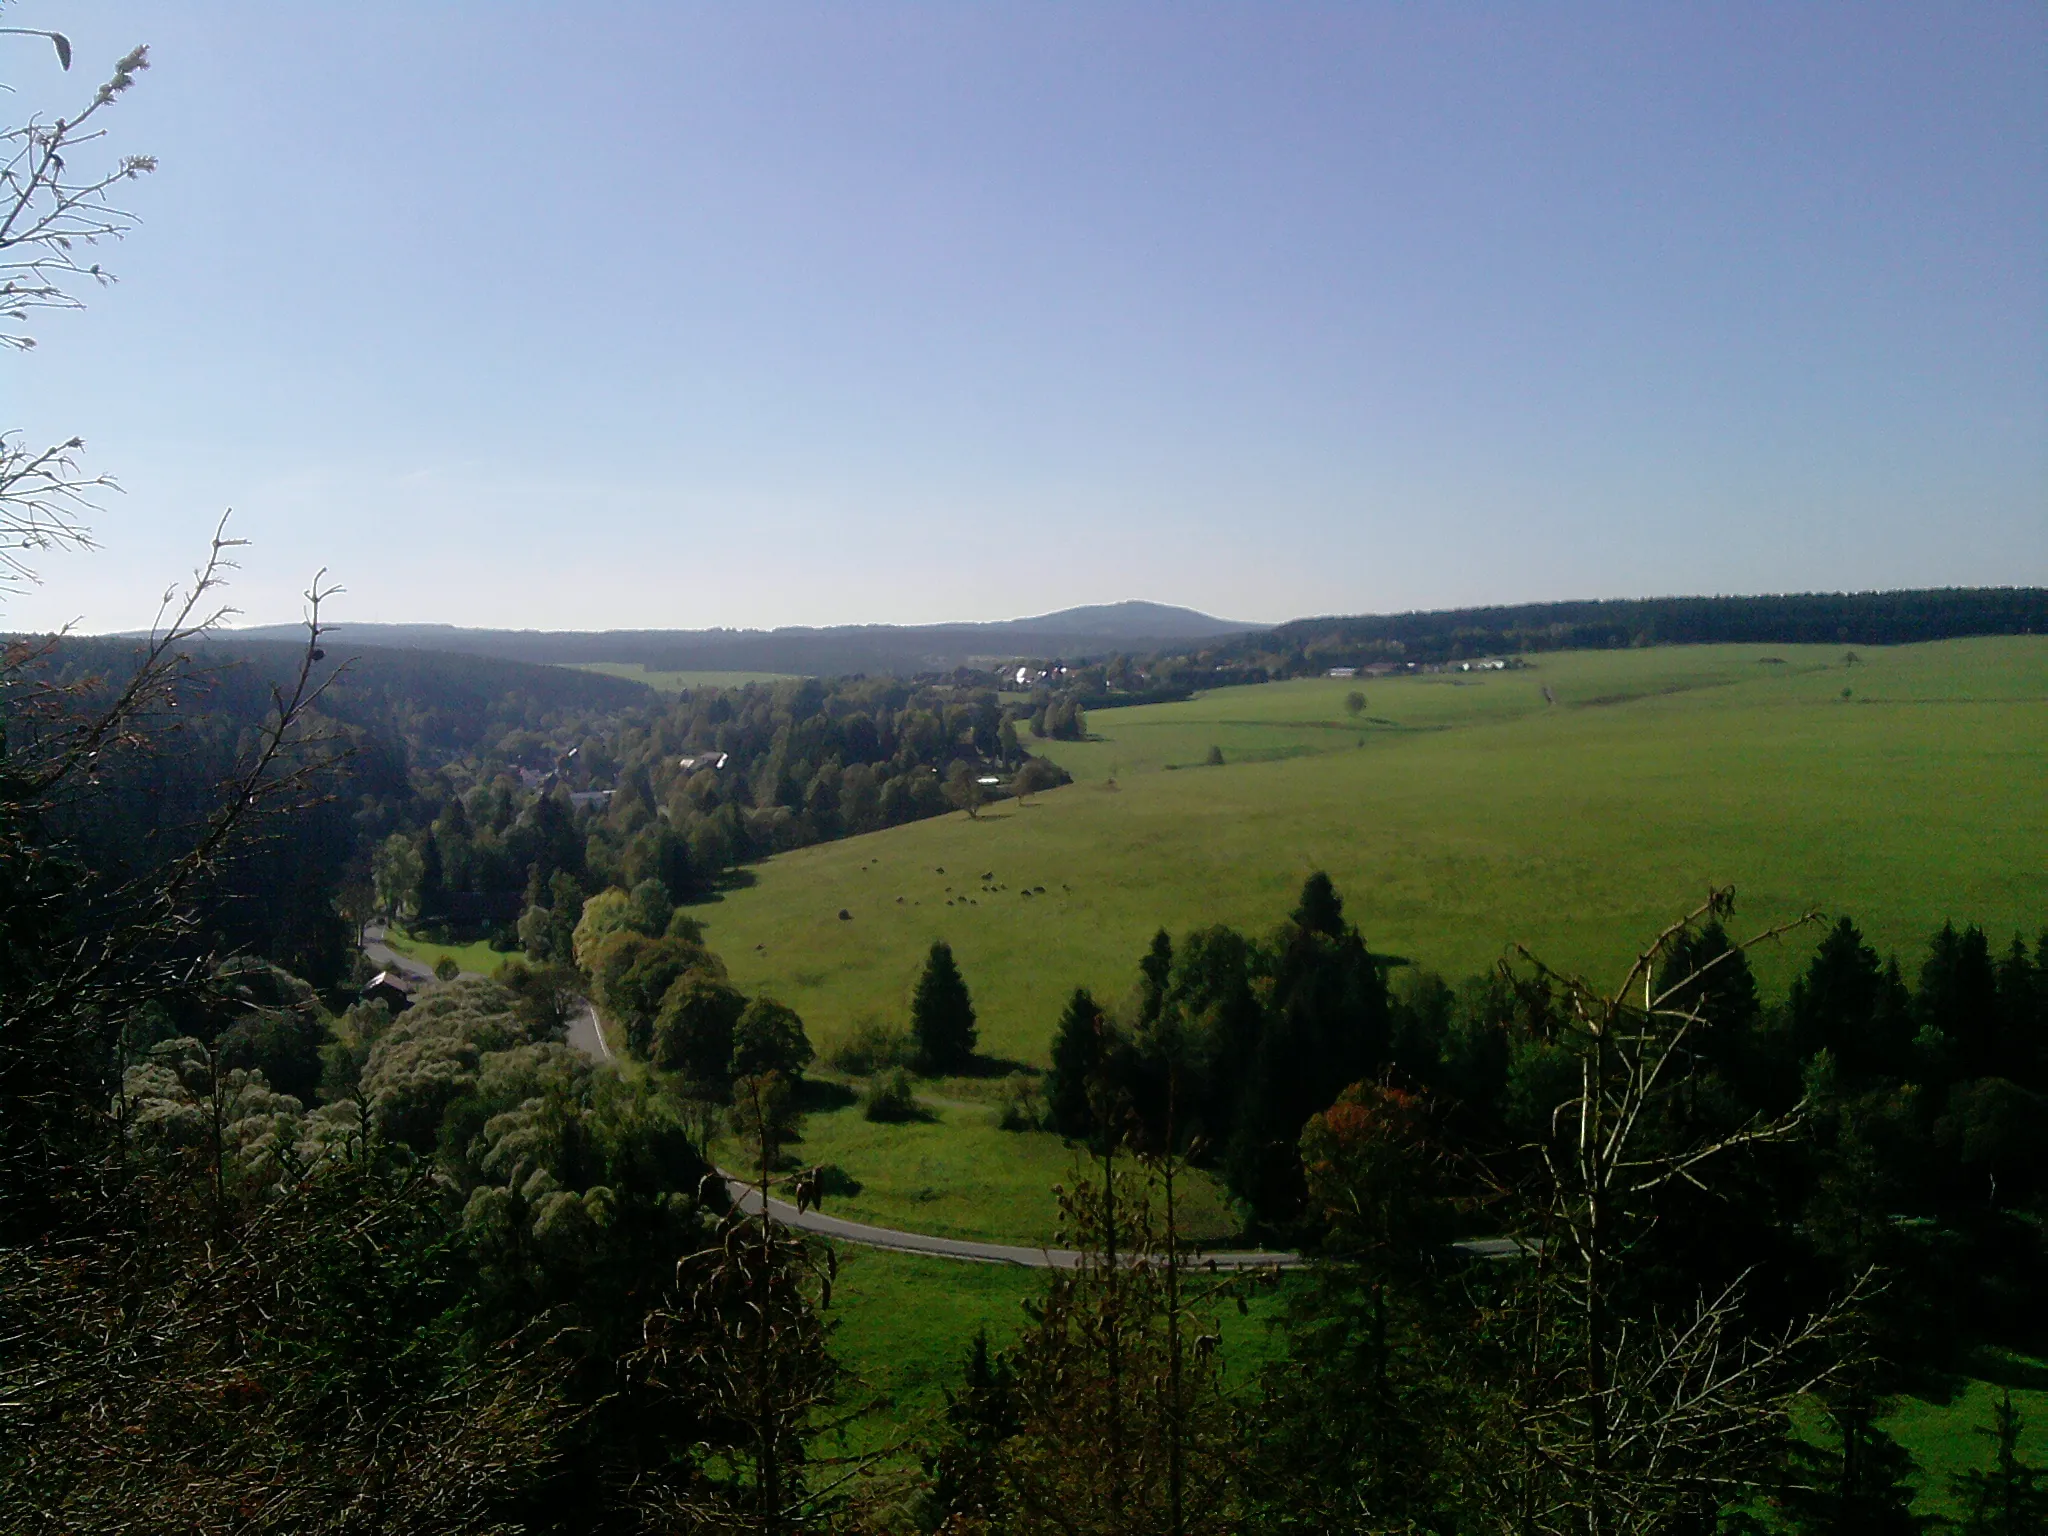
x=1342 y=672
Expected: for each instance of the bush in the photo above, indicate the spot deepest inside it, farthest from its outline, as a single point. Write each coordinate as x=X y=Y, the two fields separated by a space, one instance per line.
x=891 y=1099
x=1021 y=1108
x=445 y=968
x=871 y=1046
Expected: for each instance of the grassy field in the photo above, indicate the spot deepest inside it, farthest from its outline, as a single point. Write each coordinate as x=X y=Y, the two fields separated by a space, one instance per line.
x=903 y=1323
x=478 y=958
x=955 y=1174
x=677 y=682
x=1477 y=812
x=1458 y=814
x=1944 y=1438
x=1574 y=806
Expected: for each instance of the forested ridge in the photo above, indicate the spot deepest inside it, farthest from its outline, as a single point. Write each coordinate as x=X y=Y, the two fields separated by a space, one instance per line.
x=1806 y=618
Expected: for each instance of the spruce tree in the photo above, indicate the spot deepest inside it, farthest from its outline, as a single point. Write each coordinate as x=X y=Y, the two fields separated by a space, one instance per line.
x=1861 y=1485
x=1156 y=969
x=942 y=1014
x=1321 y=909
x=2011 y=1499
x=1077 y=1050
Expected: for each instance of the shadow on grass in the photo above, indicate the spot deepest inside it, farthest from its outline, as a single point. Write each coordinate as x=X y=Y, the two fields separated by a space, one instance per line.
x=819 y=1098
x=835 y=1180
x=731 y=880
x=980 y=1066
x=912 y=1113
x=2003 y=1368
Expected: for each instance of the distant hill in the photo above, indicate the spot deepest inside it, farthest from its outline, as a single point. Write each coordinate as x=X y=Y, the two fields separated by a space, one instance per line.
x=1216 y=650
x=877 y=648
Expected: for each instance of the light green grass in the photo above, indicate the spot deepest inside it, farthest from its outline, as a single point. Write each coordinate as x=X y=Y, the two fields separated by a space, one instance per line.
x=958 y=1175
x=1944 y=1440
x=478 y=958
x=1475 y=816
x=677 y=682
x=903 y=1324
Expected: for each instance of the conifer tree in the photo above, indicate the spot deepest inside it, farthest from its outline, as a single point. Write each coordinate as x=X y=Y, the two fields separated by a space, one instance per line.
x=2011 y=1498
x=942 y=1014
x=1859 y=1486
x=1077 y=1053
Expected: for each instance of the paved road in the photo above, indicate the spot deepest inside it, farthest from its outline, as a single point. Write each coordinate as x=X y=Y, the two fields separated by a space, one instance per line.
x=748 y=1197
x=385 y=958
x=586 y=1035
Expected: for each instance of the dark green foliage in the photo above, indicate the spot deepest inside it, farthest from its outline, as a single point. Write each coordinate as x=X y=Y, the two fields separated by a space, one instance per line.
x=1155 y=971
x=1858 y=1486
x=891 y=1098
x=1078 y=1050
x=769 y=1037
x=1308 y=647
x=1326 y=1025
x=693 y=1031
x=1020 y=1108
x=965 y=1466
x=1321 y=909
x=1957 y=1001
x=942 y=1014
x=872 y=1046
x=1847 y=1005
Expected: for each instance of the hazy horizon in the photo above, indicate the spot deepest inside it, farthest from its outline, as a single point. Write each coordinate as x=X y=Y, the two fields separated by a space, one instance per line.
x=687 y=317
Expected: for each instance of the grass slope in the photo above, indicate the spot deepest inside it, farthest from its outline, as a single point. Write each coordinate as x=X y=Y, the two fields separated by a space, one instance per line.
x=1460 y=813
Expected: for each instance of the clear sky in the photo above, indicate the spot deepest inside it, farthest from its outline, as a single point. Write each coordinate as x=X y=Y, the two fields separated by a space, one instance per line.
x=593 y=315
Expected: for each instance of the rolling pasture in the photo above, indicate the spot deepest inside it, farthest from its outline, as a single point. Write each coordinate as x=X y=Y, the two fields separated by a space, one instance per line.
x=1574 y=806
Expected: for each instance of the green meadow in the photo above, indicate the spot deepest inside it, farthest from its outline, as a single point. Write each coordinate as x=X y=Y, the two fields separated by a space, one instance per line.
x=956 y=1174
x=902 y=1324
x=477 y=959
x=1573 y=806
x=676 y=682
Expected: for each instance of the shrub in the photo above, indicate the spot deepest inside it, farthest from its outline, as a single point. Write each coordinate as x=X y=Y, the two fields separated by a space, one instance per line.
x=1021 y=1108
x=891 y=1099
x=445 y=968
x=871 y=1046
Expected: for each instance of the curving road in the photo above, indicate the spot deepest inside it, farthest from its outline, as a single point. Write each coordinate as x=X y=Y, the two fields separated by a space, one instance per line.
x=748 y=1198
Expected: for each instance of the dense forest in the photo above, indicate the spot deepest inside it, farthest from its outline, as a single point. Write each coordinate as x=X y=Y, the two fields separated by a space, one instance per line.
x=1807 y=618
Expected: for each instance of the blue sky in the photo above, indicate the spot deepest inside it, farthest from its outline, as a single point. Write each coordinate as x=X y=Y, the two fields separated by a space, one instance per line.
x=679 y=315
